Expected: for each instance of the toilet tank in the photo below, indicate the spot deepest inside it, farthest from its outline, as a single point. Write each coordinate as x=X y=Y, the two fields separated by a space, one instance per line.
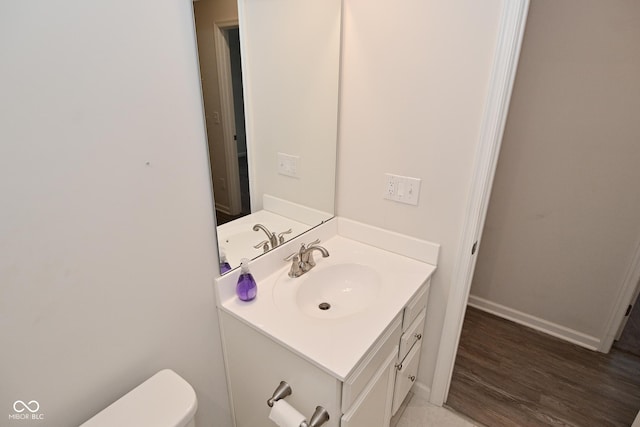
x=164 y=400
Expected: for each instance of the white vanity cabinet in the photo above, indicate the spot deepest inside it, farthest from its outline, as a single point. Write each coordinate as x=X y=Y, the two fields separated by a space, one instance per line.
x=393 y=378
x=368 y=397
x=346 y=335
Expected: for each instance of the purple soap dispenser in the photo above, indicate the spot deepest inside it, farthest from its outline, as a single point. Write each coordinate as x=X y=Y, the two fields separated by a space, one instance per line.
x=246 y=289
x=224 y=263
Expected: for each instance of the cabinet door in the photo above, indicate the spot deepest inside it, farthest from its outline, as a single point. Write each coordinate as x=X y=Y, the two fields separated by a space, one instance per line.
x=406 y=376
x=357 y=381
x=373 y=406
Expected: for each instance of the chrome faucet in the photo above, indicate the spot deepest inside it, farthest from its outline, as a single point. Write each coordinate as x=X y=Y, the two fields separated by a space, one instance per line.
x=302 y=261
x=272 y=238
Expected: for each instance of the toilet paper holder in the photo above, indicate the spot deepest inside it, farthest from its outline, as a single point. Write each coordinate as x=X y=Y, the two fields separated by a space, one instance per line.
x=319 y=417
x=283 y=390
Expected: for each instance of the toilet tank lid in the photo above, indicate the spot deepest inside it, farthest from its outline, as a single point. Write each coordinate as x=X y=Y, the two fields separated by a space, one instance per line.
x=164 y=400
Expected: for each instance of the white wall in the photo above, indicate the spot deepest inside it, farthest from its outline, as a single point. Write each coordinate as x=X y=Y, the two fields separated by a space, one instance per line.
x=291 y=68
x=107 y=244
x=414 y=84
x=564 y=217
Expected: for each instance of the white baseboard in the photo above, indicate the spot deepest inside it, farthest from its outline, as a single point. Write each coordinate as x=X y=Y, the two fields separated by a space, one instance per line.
x=553 y=329
x=421 y=390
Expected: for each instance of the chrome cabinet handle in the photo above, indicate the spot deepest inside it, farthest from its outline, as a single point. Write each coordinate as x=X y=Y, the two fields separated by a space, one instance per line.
x=418 y=336
x=412 y=378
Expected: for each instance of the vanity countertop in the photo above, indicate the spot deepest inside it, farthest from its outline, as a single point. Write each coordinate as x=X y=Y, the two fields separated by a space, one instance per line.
x=336 y=345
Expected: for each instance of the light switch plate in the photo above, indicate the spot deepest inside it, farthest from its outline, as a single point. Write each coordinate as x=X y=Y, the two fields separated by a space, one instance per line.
x=403 y=189
x=288 y=165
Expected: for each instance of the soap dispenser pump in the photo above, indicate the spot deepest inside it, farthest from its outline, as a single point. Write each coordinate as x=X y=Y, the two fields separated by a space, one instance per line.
x=246 y=289
x=224 y=264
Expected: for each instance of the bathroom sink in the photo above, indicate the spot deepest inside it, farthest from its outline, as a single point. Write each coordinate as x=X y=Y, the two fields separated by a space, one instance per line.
x=332 y=314
x=330 y=292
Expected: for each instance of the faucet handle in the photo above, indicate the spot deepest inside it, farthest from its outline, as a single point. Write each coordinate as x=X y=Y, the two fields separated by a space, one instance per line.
x=281 y=235
x=315 y=242
x=296 y=269
x=306 y=255
x=292 y=256
x=264 y=244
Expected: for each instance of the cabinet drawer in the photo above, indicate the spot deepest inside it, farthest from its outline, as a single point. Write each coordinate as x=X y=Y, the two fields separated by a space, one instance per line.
x=412 y=334
x=358 y=379
x=417 y=303
x=405 y=377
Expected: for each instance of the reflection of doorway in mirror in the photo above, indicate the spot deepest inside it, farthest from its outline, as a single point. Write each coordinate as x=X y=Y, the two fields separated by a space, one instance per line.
x=236 y=182
x=221 y=76
x=233 y=38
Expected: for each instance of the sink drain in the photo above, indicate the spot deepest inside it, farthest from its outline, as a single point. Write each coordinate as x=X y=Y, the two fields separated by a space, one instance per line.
x=324 y=306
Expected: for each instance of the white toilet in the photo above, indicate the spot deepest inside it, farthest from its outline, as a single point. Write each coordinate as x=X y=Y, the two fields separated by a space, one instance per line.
x=164 y=400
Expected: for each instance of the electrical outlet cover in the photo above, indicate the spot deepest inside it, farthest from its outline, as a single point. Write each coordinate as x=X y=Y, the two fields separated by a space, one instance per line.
x=403 y=189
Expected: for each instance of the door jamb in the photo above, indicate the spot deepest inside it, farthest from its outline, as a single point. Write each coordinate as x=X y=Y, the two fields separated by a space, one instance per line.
x=227 y=112
x=510 y=34
x=626 y=295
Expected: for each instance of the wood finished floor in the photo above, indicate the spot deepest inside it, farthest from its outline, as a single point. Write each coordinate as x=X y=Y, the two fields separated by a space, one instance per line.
x=509 y=375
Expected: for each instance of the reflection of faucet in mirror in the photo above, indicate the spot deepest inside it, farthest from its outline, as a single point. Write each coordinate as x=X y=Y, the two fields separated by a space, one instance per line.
x=302 y=261
x=281 y=236
x=273 y=240
x=264 y=245
x=272 y=237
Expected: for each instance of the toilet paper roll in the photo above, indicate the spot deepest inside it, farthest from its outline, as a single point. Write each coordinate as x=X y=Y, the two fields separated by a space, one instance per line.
x=285 y=415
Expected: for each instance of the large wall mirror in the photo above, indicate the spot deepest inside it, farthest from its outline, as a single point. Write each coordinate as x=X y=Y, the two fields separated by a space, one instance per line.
x=270 y=71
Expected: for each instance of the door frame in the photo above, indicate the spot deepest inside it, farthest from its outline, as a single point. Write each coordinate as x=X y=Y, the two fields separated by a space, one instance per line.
x=509 y=41
x=227 y=119
x=626 y=296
